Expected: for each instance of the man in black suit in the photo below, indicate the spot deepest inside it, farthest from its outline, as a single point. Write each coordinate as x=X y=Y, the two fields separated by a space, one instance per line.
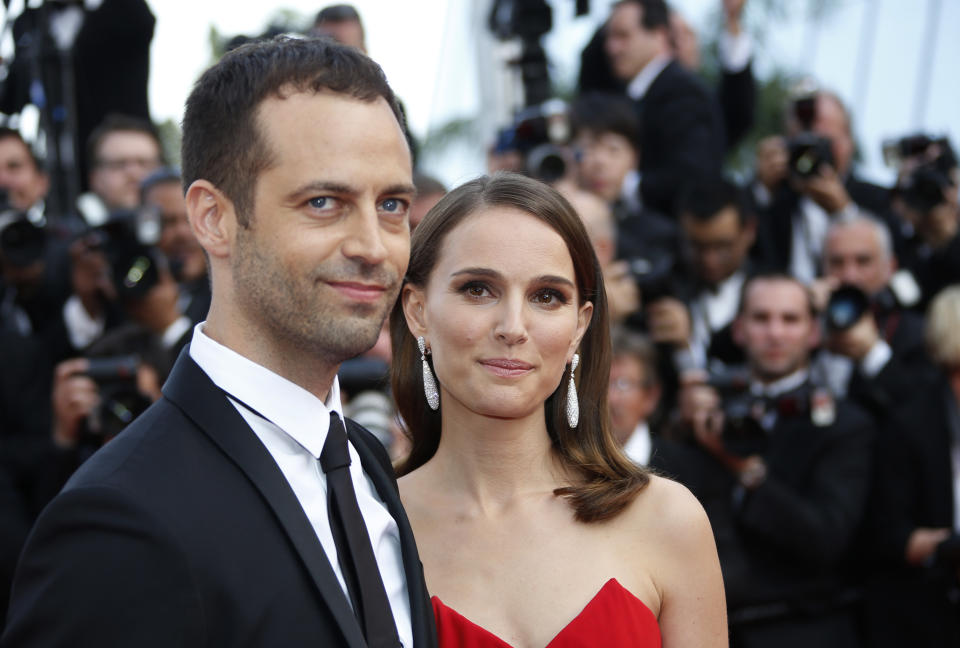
x=681 y=131
x=237 y=510
x=783 y=472
x=912 y=595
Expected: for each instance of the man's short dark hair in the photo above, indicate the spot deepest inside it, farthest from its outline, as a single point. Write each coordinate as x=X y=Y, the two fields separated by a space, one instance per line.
x=655 y=13
x=703 y=200
x=13 y=133
x=775 y=276
x=338 y=13
x=115 y=123
x=600 y=112
x=221 y=141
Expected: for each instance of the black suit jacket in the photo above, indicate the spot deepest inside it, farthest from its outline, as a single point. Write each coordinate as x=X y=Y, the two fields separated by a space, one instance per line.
x=184 y=532
x=681 y=136
x=783 y=546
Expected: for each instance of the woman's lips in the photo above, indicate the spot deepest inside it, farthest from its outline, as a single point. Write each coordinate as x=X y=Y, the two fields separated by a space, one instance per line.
x=506 y=367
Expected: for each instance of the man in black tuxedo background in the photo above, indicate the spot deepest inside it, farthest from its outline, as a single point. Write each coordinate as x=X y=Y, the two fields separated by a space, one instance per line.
x=238 y=510
x=681 y=130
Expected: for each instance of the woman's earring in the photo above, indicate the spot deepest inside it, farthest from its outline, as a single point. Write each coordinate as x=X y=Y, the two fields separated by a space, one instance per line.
x=573 y=403
x=429 y=384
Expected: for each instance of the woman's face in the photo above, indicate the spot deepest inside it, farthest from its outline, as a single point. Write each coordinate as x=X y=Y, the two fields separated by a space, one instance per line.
x=500 y=313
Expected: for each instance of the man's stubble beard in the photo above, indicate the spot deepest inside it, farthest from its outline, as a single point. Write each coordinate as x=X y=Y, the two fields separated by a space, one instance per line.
x=295 y=315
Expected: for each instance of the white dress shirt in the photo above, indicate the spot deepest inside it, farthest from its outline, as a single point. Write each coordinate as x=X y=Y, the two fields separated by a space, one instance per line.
x=294 y=436
x=711 y=311
x=639 y=446
x=639 y=85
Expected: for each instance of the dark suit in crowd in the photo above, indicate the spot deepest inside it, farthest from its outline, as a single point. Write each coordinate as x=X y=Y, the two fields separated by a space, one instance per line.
x=681 y=136
x=188 y=515
x=784 y=544
x=907 y=605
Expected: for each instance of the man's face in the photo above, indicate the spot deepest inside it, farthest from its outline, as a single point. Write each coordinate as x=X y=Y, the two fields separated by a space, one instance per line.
x=631 y=398
x=718 y=246
x=605 y=160
x=853 y=254
x=177 y=241
x=831 y=123
x=24 y=182
x=125 y=158
x=629 y=46
x=320 y=264
x=775 y=328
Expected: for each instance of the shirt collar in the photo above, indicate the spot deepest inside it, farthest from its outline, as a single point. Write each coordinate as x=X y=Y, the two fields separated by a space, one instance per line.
x=638 y=87
x=300 y=414
x=781 y=385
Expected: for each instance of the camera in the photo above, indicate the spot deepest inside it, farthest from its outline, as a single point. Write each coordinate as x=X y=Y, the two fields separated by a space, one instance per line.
x=538 y=134
x=924 y=188
x=847 y=304
x=807 y=152
x=134 y=266
x=654 y=277
x=120 y=400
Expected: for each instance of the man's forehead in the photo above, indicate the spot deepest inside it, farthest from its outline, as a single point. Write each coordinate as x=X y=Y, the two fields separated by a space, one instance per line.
x=764 y=295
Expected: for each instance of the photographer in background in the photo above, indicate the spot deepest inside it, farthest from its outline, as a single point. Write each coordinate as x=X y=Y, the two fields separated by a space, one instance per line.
x=799 y=199
x=783 y=471
x=119 y=375
x=718 y=232
x=926 y=199
x=162 y=191
x=913 y=596
x=874 y=349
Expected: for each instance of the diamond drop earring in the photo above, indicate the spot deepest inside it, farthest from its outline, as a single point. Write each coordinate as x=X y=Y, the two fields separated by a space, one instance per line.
x=429 y=384
x=573 y=403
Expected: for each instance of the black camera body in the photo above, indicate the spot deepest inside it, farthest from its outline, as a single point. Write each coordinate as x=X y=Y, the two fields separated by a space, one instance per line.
x=847 y=304
x=924 y=188
x=807 y=152
x=120 y=400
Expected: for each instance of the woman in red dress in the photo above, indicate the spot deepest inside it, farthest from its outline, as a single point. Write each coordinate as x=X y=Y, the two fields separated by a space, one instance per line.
x=533 y=528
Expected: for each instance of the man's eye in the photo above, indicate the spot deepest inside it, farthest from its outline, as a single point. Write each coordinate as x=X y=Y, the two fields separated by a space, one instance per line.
x=321 y=202
x=393 y=205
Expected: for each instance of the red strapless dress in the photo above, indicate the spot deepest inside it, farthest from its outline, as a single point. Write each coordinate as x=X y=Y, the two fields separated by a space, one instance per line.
x=614 y=617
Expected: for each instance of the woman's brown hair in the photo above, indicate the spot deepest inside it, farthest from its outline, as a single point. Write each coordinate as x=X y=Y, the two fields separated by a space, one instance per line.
x=608 y=480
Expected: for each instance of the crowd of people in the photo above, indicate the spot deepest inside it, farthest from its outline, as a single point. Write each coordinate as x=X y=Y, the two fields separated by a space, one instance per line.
x=788 y=348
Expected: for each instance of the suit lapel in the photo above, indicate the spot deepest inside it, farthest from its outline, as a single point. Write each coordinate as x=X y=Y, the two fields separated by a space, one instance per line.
x=380 y=472
x=191 y=390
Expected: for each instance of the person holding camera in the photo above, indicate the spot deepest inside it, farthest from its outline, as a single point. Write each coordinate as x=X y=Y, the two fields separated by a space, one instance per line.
x=806 y=180
x=913 y=595
x=927 y=200
x=873 y=344
x=783 y=470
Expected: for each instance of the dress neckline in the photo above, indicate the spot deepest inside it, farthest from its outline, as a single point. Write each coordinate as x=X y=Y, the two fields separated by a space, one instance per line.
x=608 y=588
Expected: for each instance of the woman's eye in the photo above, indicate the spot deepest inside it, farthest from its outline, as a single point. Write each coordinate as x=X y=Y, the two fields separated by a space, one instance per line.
x=550 y=298
x=475 y=290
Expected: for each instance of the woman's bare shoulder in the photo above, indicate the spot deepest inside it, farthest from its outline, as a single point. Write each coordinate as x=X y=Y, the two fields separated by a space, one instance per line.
x=667 y=511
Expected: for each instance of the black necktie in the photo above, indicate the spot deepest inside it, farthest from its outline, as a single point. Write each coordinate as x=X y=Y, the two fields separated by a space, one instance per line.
x=354 y=552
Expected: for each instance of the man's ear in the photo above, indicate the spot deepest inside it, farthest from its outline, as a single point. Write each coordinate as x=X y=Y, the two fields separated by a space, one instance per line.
x=213 y=218
x=414 y=311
